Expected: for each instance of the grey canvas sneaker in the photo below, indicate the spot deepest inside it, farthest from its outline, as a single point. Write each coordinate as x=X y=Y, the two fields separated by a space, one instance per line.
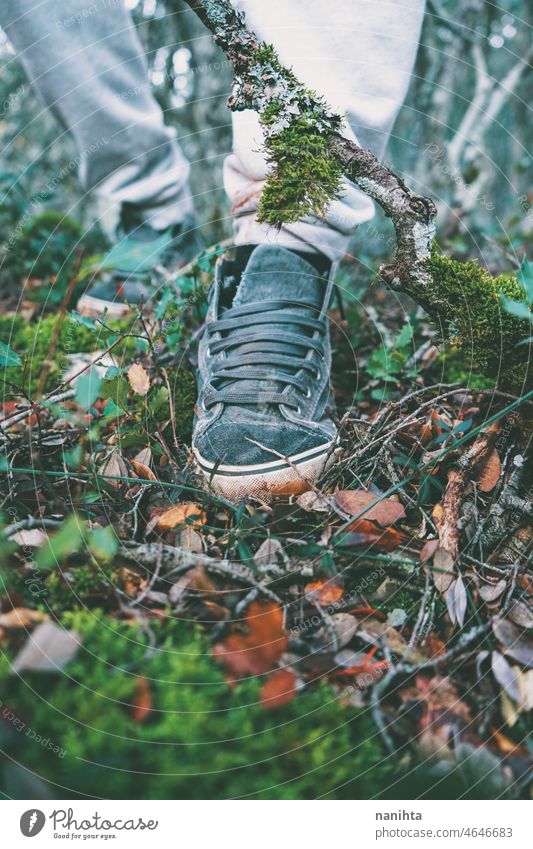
x=141 y=261
x=262 y=425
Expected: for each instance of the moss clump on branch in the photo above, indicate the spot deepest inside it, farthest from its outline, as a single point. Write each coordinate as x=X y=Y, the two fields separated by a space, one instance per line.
x=299 y=128
x=304 y=178
x=469 y=303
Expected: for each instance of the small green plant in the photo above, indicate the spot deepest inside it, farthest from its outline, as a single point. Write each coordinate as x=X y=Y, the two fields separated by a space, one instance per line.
x=387 y=363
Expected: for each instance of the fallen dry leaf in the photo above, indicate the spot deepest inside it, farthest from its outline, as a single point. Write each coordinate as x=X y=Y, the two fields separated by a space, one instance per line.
x=141 y=464
x=193 y=581
x=368 y=533
x=521 y=614
x=138 y=379
x=142 y=701
x=114 y=467
x=490 y=592
x=516 y=642
x=345 y=627
x=268 y=551
x=428 y=550
x=179 y=514
x=455 y=598
x=506 y=677
x=525 y=683
x=489 y=474
x=34 y=538
x=324 y=592
x=279 y=689
x=260 y=647
x=385 y=512
x=313 y=502
x=48 y=649
x=442 y=569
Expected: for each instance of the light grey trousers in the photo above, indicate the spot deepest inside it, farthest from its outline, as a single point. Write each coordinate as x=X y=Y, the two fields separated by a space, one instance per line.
x=85 y=59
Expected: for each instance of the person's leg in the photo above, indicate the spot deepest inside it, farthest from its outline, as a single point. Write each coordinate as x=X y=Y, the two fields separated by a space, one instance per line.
x=263 y=423
x=86 y=61
x=359 y=55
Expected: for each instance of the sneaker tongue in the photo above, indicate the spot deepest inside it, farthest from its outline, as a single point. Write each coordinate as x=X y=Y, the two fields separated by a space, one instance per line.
x=276 y=273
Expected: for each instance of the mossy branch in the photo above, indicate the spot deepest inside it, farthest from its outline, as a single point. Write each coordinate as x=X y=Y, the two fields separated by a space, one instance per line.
x=309 y=157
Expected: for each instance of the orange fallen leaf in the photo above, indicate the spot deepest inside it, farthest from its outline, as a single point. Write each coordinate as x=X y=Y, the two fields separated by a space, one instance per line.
x=143 y=471
x=138 y=379
x=260 y=647
x=437 y=514
x=363 y=532
x=142 y=701
x=178 y=515
x=488 y=476
x=279 y=689
x=324 y=592
x=142 y=463
x=385 y=512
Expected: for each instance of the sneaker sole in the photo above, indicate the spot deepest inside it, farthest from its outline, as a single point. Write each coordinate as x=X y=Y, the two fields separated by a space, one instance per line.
x=282 y=477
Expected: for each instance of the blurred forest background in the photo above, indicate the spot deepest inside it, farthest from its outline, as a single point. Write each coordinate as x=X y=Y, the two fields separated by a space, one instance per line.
x=462 y=136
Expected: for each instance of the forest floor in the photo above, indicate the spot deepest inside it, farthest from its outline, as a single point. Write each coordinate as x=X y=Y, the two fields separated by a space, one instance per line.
x=397 y=592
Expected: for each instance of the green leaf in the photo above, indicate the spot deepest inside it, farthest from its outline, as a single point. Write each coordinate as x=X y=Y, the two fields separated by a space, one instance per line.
x=72 y=458
x=157 y=399
x=404 y=337
x=67 y=540
x=117 y=388
x=87 y=388
x=8 y=357
x=525 y=278
x=111 y=412
x=82 y=320
x=103 y=543
x=517 y=308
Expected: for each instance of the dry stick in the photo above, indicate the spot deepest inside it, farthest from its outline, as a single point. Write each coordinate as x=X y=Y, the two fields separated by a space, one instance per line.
x=52 y=399
x=448 y=551
x=171 y=560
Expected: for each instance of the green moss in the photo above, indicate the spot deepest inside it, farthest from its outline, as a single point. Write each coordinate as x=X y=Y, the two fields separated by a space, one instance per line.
x=305 y=176
x=299 y=128
x=456 y=365
x=468 y=301
x=185 y=393
x=33 y=342
x=202 y=738
x=79 y=587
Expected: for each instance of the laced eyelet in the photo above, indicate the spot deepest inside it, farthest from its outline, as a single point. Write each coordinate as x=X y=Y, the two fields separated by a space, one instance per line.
x=318 y=374
x=307 y=393
x=298 y=411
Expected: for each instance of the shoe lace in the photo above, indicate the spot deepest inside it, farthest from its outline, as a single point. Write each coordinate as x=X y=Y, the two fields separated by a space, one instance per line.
x=279 y=361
